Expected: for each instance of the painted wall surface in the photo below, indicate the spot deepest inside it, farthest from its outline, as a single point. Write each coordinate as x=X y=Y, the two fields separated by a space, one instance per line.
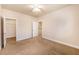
x=62 y=25
x=23 y=23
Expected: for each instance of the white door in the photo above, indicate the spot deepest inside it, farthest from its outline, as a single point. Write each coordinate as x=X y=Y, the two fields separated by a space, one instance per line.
x=35 y=29
x=2 y=33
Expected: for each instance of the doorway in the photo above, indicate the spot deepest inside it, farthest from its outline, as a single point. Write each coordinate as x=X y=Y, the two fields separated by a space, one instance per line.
x=34 y=29
x=37 y=29
x=10 y=28
x=40 y=29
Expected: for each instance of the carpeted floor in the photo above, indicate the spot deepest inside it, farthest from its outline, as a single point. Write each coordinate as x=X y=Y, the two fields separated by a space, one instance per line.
x=35 y=46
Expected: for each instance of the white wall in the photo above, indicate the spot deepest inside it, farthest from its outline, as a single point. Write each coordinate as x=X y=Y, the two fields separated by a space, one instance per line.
x=10 y=28
x=23 y=23
x=62 y=25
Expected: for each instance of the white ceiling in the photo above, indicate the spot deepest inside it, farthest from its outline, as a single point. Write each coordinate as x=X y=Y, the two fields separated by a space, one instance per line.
x=26 y=8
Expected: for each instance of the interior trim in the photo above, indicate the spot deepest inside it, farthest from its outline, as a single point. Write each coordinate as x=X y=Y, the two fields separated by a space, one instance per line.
x=67 y=44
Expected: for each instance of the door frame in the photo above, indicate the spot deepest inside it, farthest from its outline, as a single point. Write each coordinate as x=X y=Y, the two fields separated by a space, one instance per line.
x=3 y=31
x=5 y=38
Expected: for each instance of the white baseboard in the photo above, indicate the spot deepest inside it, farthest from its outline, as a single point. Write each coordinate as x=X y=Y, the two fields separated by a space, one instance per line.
x=74 y=46
x=17 y=40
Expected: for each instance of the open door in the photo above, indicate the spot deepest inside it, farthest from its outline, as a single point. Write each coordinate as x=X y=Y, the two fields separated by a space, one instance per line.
x=40 y=29
x=3 y=33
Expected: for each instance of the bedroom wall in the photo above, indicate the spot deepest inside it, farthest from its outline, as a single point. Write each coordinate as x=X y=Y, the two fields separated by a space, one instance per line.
x=23 y=23
x=62 y=25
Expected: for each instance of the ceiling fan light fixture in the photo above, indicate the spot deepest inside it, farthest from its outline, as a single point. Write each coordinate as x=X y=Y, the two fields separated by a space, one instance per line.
x=36 y=10
x=36 y=7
